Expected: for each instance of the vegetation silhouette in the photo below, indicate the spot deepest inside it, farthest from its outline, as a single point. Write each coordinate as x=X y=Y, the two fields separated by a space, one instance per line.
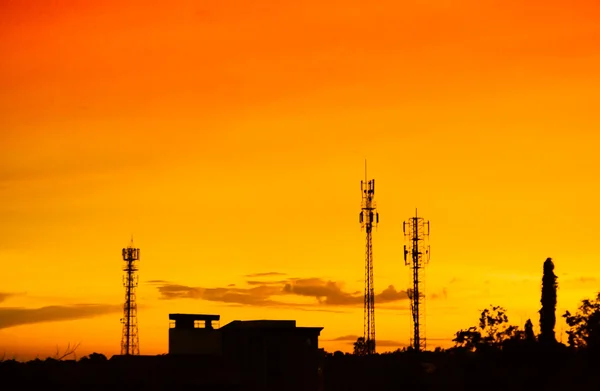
x=529 y=334
x=584 y=325
x=548 y=310
x=362 y=347
x=492 y=355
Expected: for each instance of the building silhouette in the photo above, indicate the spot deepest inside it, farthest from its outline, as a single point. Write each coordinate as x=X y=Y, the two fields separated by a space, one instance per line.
x=195 y=334
x=266 y=354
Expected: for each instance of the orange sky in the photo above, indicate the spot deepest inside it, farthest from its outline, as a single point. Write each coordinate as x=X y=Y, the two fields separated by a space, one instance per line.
x=230 y=138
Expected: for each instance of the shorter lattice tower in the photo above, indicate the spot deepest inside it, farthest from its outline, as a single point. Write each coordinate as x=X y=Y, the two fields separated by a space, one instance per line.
x=416 y=255
x=130 y=344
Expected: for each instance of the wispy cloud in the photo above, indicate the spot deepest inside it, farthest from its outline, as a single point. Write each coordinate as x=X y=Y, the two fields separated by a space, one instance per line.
x=277 y=282
x=267 y=274
x=390 y=344
x=331 y=292
x=585 y=280
x=296 y=307
x=326 y=293
x=439 y=339
x=15 y=316
x=443 y=294
x=6 y=295
x=350 y=339
x=393 y=307
x=258 y=296
x=577 y=282
x=343 y=338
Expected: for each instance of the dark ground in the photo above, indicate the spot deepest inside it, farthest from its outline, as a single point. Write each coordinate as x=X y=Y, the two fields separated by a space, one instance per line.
x=446 y=370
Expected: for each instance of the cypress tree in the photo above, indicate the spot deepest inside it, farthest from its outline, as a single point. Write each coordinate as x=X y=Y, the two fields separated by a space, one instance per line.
x=548 y=310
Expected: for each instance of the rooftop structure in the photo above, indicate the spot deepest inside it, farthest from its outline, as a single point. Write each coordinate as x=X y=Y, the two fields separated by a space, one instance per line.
x=194 y=334
x=190 y=321
x=268 y=354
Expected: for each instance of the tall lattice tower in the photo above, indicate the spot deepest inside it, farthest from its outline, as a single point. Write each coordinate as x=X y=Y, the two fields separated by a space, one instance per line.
x=416 y=255
x=369 y=218
x=130 y=343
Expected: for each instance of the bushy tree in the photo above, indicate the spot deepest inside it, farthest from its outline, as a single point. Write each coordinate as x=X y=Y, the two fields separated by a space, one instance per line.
x=94 y=357
x=548 y=310
x=362 y=347
x=469 y=339
x=585 y=325
x=493 y=330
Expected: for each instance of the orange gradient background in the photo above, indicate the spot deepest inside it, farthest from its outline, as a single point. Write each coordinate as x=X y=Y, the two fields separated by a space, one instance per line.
x=230 y=137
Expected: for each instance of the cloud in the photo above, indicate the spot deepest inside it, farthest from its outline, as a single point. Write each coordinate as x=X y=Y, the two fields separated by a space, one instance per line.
x=258 y=296
x=331 y=292
x=255 y=282
x=156 y=282
x=322 y=310
x=326 y=293
x=390 y=294
x=5 y=295
x=440 y=295
x=440 y=339
x=585 y=280
x=294 y=306
x=350 y=339
x=393 y=307
x=575 y=282
x=15 y=316
x=267 y=274
x=390 y=344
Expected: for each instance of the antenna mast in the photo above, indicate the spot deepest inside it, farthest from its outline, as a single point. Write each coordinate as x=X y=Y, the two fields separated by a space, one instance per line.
x=369 y=218
x=416 y=255
x=130 y=344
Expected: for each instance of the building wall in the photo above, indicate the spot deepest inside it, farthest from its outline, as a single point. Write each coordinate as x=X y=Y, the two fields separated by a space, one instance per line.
x=284 y=359
x=195 y=341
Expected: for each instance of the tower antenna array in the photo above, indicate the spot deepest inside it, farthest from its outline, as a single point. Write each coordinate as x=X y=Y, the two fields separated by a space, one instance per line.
x=416 y=255
x=130 y=344
x=369 y=218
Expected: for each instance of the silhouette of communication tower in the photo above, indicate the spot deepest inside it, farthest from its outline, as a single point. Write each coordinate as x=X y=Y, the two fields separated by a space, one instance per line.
x=416 y=255
x=130 y=344
x=369 y=218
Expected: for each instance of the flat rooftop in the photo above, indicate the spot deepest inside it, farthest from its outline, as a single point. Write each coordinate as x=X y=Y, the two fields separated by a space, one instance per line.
x=262 y=324
x=193 y=317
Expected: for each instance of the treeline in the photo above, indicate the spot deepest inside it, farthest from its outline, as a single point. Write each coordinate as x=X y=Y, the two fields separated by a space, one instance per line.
x=510 y=368
x=494 y=331
x=493 y=354
x=96 y=372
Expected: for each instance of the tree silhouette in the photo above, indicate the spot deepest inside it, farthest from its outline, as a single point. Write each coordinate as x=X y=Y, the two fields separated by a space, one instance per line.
x=469 y=339
x=94 y=357
x=69 y=350
x=529 y=334
x=361 y=347
x=493 y=330
x=548 y=310
x=585 y=325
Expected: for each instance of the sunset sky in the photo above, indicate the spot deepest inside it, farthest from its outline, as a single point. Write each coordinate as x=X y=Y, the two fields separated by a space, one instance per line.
x=230 y=137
